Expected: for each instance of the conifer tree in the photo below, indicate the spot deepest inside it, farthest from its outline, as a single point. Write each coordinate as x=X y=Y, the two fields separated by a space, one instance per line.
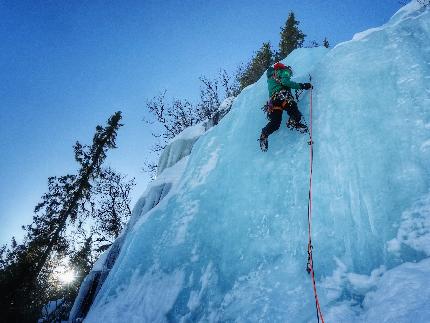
x=26 y=269
x=75 y=193
x=81 y=261
x=291 y=37
x=326 y=44
x=261 y=61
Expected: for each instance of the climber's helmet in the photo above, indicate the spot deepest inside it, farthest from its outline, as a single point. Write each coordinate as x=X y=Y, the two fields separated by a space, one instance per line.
x=280 y=66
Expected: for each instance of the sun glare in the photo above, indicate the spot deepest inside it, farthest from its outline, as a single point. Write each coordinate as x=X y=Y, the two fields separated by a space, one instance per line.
x=65 y=275
x=68 y=277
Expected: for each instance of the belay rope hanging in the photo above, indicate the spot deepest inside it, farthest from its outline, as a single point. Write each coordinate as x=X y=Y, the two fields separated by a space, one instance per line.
x=310 y=267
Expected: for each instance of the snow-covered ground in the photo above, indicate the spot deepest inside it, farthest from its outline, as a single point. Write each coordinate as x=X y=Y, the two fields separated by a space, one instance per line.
x=226 y=240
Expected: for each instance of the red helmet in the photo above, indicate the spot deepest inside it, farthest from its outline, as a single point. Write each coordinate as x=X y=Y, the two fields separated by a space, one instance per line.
x=279 y=66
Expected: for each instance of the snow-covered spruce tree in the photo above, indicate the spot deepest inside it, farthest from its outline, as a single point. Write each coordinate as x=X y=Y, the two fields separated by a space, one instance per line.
x=291 y=37
x=71 y=205
x=261 y=61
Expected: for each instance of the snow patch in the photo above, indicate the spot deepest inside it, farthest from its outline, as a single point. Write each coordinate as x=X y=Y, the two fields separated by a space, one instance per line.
x=414 y=229
x=364 y=34
x=401 y=295
x=189 y=133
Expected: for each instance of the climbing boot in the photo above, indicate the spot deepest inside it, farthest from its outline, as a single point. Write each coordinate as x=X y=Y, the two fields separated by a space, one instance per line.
x=293 y=124
x=264 y=143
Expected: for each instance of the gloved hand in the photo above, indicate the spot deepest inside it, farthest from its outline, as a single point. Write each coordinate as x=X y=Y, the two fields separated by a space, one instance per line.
x=305 y=86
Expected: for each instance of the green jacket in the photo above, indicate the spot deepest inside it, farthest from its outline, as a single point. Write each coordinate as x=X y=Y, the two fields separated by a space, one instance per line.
x=284 y=77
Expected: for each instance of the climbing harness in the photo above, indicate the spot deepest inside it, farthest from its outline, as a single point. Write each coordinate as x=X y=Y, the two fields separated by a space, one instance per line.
x=310 y=264
x=297 y=94
x=283 y=96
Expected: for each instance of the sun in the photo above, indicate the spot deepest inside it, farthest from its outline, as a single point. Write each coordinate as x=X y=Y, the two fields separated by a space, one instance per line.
x=65 y=274
x=68 y=277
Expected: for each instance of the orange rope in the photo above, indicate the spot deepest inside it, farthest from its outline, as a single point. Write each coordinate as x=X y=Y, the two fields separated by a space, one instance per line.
x=310 y=265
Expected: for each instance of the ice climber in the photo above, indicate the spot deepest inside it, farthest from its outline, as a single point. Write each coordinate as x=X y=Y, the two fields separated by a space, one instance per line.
x=281 y=98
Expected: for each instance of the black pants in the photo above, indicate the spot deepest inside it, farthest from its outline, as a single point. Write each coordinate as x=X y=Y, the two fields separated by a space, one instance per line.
x=275 y=117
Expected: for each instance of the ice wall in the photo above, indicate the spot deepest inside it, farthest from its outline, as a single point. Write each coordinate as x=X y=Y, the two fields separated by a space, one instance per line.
x=171 y=159
x=228 y=243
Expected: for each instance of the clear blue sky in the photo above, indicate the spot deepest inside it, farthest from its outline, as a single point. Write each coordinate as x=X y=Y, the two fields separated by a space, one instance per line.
x=66 y=66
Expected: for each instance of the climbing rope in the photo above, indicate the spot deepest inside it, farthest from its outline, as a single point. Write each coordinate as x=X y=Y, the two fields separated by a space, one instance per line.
x=310 y=264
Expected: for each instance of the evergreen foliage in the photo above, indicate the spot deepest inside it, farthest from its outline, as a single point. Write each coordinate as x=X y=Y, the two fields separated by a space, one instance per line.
x=291 y=37
x=76 y=194
x=82 y=260
x=73 y=205
x=326 y=44
x=261 y=61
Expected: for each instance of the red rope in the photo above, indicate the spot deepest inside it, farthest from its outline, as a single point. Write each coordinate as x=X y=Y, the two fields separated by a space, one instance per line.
x=310 y=266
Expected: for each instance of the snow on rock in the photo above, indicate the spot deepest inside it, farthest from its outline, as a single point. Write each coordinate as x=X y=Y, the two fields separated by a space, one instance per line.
x=228 y=242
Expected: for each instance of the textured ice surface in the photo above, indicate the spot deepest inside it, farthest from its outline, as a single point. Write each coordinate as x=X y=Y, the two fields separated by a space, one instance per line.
x=170 y=168
x=228 y=242
x=152 y=197
x=179 y=147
